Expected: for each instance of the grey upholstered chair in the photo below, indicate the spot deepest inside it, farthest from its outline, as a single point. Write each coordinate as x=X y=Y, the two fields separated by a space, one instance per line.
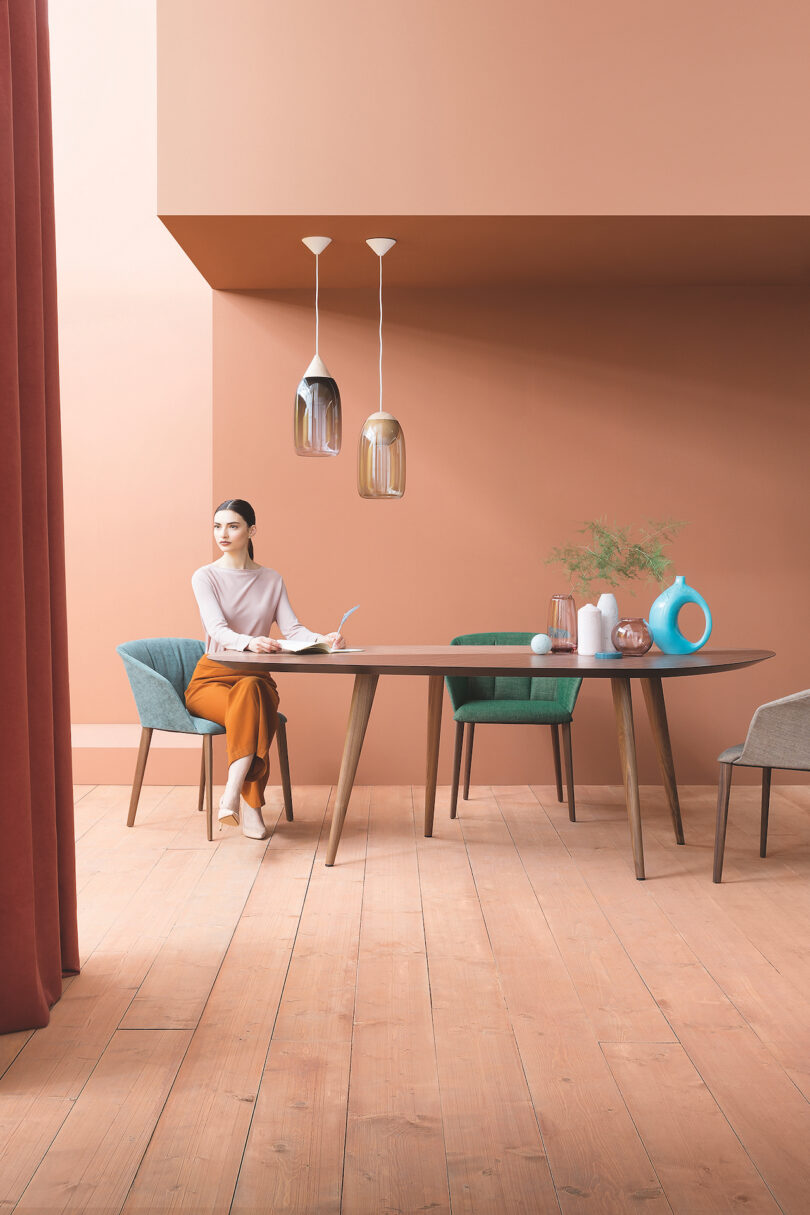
x=511 y=700
x=778 y=737
x=159 y=671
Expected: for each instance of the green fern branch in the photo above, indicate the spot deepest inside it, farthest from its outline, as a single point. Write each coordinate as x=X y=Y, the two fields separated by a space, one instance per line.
x=612 y=558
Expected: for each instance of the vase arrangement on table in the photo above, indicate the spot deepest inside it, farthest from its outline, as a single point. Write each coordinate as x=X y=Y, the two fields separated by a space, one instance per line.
x=612 y=556
x=664 y=618
x=562 y=624
x=631 y=636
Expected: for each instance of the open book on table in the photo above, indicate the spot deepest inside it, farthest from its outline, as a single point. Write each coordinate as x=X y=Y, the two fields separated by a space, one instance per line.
x=318 y=647
x=313 y=647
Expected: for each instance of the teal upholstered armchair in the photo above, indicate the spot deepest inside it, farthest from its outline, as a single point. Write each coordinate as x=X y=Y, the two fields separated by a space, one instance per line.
x=159 y=671
x=523 y=700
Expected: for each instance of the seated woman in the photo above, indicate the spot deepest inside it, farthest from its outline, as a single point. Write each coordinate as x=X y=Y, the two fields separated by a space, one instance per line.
x=239 y=600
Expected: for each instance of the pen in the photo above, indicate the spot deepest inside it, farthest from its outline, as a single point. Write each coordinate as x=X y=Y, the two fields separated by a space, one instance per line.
x=347 y=615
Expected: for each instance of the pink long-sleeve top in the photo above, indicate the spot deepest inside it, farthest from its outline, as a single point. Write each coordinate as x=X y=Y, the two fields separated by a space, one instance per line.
x=238 y=605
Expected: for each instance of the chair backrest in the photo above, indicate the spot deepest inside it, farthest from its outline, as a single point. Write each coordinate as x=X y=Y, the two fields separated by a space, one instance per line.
x=463 y=689
x=159 y=671
x=779 y=734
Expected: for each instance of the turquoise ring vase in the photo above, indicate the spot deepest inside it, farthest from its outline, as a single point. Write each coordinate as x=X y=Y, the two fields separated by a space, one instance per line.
x=663 y=619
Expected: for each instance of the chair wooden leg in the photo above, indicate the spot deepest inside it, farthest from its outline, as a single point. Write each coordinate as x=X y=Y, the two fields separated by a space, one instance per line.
x=555 y=747
x=766 y=800
x=468 y=760
x=569 y=770
x=456 y=768
x=201 y=798
x=284 y=765
x=208 y=752
x=723 y=792
x=140 y=768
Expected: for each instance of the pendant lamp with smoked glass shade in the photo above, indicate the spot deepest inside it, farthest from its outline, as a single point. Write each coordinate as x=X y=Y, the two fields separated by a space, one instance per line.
x=317 y=424
x=381 y=454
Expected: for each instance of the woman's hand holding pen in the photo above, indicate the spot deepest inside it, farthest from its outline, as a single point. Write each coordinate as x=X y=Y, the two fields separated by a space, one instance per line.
x=264 y=645
x=336 y=640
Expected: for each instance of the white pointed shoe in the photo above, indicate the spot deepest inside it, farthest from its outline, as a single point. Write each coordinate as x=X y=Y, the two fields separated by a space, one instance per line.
x=253 y=823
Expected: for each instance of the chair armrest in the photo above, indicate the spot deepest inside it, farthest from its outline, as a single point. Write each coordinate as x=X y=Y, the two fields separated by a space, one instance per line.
x=779 y=734
x=567 y=693
x=457 y=690
x=159 y=707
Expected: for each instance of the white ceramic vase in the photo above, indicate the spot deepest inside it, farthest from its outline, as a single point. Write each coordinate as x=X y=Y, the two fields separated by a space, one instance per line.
x=589 y=629
x=610 y=618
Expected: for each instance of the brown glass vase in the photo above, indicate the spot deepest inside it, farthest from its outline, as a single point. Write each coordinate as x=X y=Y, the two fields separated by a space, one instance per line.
x=562 y=624
x=631 y=636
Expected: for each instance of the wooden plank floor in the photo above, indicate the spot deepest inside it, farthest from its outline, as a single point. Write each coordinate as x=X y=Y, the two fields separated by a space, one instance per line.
x=497 y=1020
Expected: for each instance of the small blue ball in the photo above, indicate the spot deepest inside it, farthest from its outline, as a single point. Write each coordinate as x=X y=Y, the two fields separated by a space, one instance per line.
x=541 y=643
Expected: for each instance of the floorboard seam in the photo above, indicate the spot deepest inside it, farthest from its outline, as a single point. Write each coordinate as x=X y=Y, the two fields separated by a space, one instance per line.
x=506 y=1002
x=280 y=994
x=202 y=1011
x=606 y=917
x=430 y=996
x=354 y=1006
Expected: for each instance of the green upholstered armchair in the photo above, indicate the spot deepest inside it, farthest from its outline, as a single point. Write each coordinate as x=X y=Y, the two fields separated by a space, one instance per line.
x=159 y=671
x=502 y=700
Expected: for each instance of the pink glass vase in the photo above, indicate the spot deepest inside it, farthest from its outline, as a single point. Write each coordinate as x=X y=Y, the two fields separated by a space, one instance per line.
x=562 y=624
x=632 y=636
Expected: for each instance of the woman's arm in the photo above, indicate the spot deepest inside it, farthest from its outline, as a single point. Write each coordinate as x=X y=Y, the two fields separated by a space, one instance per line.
x=288 y=622
x=214 y=622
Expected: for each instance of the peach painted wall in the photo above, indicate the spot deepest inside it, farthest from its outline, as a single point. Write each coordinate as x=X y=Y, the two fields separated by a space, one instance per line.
x=623 y=110
x=524 y=413
x=517 y=107
x=135 y=357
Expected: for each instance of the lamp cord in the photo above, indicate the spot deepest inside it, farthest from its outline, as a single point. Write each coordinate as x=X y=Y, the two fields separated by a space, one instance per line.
x=316 y=305
x=381 y=334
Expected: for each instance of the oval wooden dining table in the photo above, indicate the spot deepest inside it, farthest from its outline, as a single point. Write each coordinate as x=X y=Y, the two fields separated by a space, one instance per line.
x=437 y=661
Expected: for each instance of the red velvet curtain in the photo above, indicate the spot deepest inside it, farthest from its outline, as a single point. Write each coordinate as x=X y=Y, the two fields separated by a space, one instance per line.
x=38 y=936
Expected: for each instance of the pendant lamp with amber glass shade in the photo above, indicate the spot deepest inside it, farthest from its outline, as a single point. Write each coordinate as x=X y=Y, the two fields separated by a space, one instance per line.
x=317 y=424
x=381 y=453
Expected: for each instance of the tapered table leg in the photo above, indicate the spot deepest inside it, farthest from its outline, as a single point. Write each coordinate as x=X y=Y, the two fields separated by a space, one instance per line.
x=434 y=730
x=657 y=713
x=362 y=700
x=623 y=706
x=723 y=793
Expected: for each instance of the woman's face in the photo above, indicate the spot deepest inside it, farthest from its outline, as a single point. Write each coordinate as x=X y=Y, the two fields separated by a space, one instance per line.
x=231 y=532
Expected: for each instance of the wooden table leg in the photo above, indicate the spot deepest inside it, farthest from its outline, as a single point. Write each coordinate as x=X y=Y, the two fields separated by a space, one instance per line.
x=362 y=700
x=623 y=706
x=434 y=730
x=657 y=713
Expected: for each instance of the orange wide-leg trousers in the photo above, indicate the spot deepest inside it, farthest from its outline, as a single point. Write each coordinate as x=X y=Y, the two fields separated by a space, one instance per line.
x=247 y=706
